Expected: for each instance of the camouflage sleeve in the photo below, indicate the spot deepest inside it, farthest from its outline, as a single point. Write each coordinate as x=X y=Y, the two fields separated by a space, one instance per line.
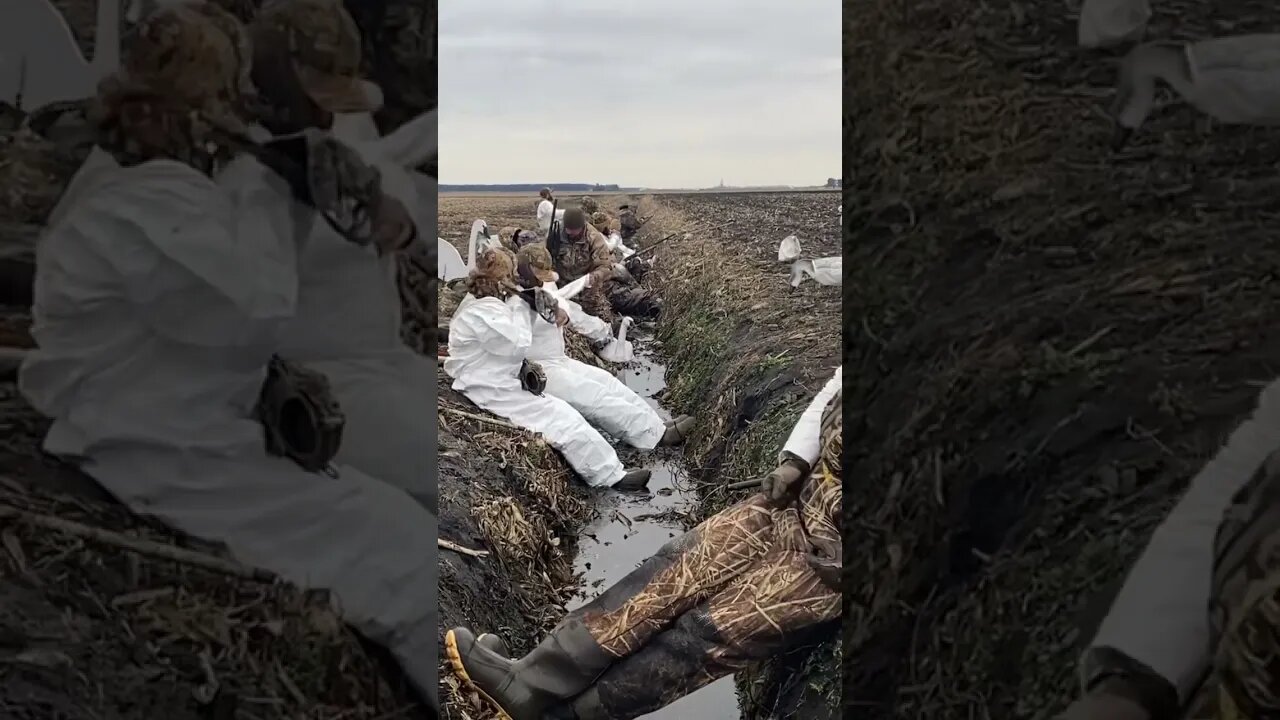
x=601 y=256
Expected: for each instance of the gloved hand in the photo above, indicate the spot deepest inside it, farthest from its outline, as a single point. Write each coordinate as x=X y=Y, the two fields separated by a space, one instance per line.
x=828 y=570
x=783 y=484
x=1104 y=706
x=547 y=306
x=393 y=227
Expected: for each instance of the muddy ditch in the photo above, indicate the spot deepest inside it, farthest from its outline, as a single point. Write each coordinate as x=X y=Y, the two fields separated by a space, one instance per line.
x=738 y=351
x=745 y=355
x=629 y=528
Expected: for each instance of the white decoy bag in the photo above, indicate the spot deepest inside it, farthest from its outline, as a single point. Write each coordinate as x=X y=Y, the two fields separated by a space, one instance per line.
x=789 y=249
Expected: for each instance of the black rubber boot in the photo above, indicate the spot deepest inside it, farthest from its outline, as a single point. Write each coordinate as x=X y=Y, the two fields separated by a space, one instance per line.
x=677 y=431
x=493 y=644
x=562 y=666
x=584 y=707
x=635 y=479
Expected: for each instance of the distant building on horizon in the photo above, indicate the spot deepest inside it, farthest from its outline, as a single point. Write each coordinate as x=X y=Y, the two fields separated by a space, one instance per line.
x=532 y=188
x=834 y=182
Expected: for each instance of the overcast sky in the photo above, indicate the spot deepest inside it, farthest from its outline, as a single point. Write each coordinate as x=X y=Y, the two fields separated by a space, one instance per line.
x=650 y=93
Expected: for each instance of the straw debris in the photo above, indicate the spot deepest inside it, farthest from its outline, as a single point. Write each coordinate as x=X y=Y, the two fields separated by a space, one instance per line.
x=1051 y=339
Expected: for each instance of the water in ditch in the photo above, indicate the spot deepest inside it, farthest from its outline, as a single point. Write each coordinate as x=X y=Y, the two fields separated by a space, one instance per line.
x=630 y=528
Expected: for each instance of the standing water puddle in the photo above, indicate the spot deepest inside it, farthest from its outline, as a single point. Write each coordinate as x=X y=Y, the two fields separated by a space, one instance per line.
x=630 y=528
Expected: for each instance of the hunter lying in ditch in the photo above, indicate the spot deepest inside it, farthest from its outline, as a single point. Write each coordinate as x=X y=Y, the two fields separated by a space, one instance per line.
x=734 y=590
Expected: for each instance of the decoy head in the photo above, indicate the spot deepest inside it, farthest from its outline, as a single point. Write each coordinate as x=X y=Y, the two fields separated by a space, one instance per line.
x=1120 y=138
x=1131 y=104
x=1136 y=85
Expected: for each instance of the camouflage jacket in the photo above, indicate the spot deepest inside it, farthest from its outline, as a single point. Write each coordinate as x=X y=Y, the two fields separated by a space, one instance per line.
x=590 y=255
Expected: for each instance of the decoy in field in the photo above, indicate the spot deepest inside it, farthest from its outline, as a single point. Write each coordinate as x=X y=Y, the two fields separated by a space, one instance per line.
x=1234 y=80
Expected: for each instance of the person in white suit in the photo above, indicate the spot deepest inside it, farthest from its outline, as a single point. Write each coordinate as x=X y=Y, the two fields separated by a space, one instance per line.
x=159 y=299
x=348 y=320
x=596 y=393
x=489 y=340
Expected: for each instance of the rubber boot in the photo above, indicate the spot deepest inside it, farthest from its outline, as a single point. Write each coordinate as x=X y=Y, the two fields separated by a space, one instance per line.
x=635 y=479
x=562 y=666
x=677 y=431
x=493 y=644
x=584 y=707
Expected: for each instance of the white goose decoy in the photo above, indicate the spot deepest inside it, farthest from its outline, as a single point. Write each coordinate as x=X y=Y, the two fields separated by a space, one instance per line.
x=40 y=62
x=1235 y=80
x=481 y=240
x=825 y=271
x=619 y=350
x=449 y=264
x=1107 y=23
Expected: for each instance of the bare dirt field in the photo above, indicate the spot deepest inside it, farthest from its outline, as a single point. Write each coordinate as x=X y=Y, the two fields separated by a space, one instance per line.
x=1054 y=339
x=744 y=355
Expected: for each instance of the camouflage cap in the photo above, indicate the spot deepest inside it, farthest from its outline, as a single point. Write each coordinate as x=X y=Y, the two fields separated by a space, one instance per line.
x=574 y=219
x=536 y=257
x=589 y=204
x=199 y=55
x=600 y=220
x=324 y=43
x=496 y=263
x=180 y=89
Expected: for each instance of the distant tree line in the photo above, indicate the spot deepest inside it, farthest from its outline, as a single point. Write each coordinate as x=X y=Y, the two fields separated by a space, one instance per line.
x=531 y=187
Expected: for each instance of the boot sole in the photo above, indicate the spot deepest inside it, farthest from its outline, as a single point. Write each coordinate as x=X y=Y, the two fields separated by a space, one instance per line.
x=455 y=662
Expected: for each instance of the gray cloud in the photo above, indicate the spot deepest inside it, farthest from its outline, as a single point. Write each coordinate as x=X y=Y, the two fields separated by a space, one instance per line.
x=661 y=93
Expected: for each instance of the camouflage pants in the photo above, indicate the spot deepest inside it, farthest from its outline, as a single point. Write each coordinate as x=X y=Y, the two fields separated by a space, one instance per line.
x=596 y=303
x=1245 y=607
x=732 y=591
x=633 y=300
